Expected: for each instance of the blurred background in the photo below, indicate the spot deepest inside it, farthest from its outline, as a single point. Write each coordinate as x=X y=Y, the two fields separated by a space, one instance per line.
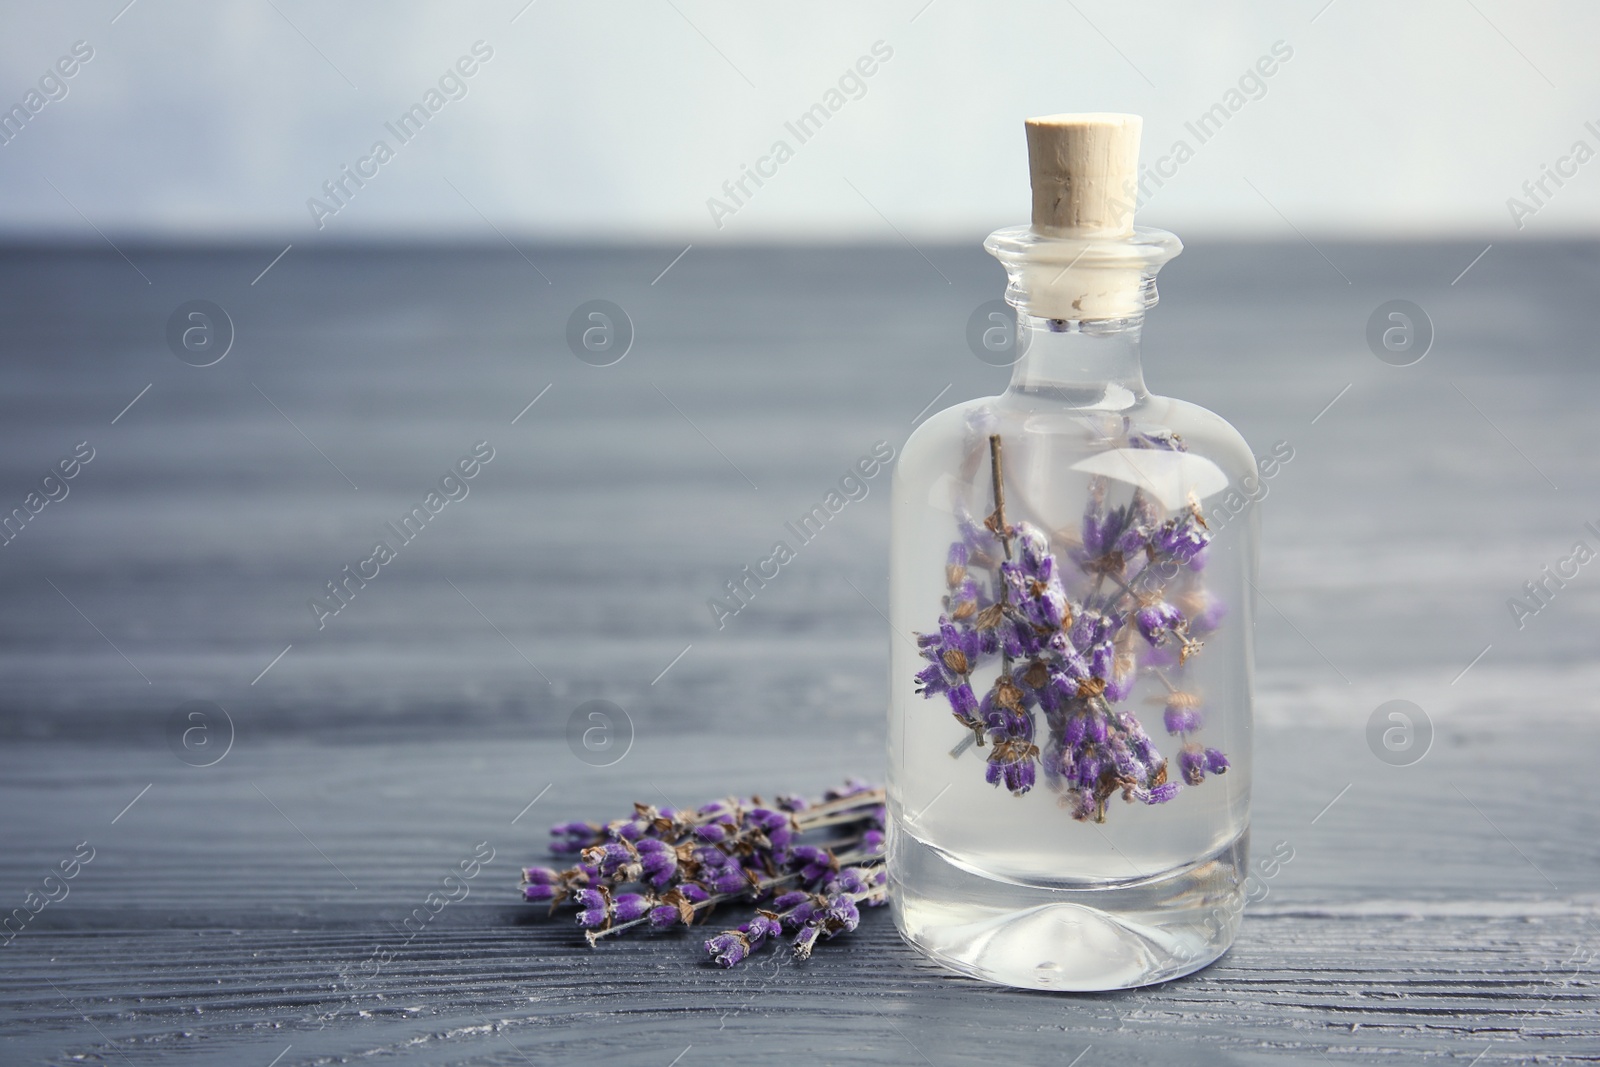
x=394 y=220
x=616 y=123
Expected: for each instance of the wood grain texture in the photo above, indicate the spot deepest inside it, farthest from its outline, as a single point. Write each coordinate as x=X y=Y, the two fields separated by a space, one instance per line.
x=1431 y=914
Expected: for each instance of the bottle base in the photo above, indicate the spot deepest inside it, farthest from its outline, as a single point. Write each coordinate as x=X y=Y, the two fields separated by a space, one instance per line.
x=1078 y=939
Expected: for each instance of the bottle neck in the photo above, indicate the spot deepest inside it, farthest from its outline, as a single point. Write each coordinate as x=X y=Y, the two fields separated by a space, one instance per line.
x=1080 y=364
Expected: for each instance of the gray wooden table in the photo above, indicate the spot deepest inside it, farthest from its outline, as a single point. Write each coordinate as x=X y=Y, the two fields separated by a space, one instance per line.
x=1438 y=911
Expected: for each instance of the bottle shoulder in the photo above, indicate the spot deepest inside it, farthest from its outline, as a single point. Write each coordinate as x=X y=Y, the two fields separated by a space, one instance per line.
x=1152 y=421
x=1203 y=432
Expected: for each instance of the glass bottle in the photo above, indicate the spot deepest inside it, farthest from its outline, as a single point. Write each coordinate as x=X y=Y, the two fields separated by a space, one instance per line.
x=1070 y=716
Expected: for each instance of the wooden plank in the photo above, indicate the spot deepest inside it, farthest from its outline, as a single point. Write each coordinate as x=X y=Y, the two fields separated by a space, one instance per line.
x=1431 y=913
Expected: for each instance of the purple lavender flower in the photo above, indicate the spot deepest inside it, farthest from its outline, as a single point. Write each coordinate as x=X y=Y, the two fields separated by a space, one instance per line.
x=1216 y=762
x=616 y=860
x=841 y=913
x=1192 y=764
x=952 y=653
x=1205 y=611
x=1156 y=619
x=785 y=901
x=955 y=568
x=1182 y=714
x=1183 y=537
x=762 y=926
x=593 y=907
x=732 y=946
x=1135 y=535
x=816 y=862
x=983 y=547
x=963 y=702
x=729 y=879
x=1034 y=588
x=658 y=862
x=657 y=868
x=836 y=914
x=729 y=948
x=852 y=880
x=1017 y=775
x=1161 y=793
x=767 y=820
x=853 y=787
x=1122 y=679
x=627 y=907
x=1065 y=656
x=807 y=940
x=572 y=837
x=800 y=914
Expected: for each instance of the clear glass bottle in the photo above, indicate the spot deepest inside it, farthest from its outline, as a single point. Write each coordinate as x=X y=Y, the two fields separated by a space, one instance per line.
x=1070 y=717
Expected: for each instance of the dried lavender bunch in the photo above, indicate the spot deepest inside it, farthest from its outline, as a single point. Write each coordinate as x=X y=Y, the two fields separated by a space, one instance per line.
x=812 y=862
x=833 y=911
x=1070 y=642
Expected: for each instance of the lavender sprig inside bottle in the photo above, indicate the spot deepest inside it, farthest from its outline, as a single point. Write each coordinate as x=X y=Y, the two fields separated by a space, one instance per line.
x=1068 y=634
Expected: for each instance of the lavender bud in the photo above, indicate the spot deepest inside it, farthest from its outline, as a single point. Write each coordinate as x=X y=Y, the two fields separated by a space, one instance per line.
x=1020 y=776
x=850 y=880
x=728 y=948
x=1180 y=719
x=1162 y=793
x=1192 y=764
x=760 y=928
x=817 y=861
x=729 y=879
x=800 y=914
x=767 y=820
x=592 y=908
x=1154 y=620
x=629 y=906
x=807 y=940
x=657 y=868
x=841 y=915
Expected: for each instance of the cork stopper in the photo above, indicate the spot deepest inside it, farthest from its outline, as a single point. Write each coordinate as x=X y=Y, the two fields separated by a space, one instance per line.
x=1084 y=169
x=1082 y=259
